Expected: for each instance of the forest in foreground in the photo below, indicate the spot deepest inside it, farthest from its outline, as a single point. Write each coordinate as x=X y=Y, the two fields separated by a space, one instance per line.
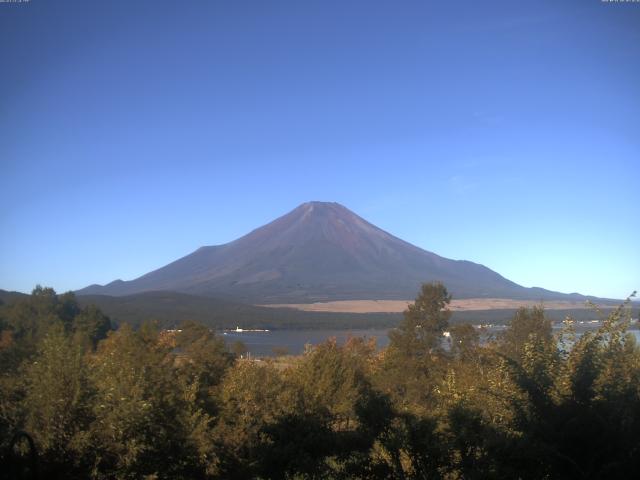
x=79 y=399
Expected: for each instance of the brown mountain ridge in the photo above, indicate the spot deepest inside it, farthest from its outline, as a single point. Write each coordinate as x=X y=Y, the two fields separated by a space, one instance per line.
x=321 y=252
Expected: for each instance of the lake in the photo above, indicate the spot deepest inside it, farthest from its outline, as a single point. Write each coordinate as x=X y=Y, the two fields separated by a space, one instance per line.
x=262 y=344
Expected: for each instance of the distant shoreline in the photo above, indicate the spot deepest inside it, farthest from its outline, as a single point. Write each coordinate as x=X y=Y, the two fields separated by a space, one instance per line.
x=458 y=305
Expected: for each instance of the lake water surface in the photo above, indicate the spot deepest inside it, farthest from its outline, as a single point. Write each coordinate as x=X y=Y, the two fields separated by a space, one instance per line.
x=263 y=344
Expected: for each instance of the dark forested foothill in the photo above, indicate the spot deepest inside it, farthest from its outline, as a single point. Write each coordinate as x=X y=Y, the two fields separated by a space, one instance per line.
x=79 y=399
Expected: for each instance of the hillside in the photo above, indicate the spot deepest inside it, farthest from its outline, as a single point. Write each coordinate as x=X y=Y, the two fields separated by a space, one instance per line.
x=171 y=308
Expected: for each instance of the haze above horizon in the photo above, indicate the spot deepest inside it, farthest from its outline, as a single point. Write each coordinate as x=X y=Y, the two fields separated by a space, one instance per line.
x=504 y=133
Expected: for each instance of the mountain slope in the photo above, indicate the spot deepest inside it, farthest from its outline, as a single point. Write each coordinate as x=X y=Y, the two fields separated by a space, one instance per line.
x=318 y=252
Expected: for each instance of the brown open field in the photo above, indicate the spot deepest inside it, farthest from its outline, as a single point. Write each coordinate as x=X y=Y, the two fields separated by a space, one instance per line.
x=394 y=306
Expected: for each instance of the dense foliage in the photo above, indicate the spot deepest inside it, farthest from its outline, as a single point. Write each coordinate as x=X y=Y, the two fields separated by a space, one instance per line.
x=146 y=403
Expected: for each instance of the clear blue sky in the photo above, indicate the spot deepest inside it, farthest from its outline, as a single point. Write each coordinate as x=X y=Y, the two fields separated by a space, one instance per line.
x=506 y=133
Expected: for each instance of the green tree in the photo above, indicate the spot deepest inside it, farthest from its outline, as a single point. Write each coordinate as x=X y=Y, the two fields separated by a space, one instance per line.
x=252 y=396
x=139 y=409
x=424 y=322
x=29 y=319
x=579 y=411
x=528 y=325
x=334 y=418
x=58 y=401
x=203 y=360
x=91 y=325
x=465 y=340
x=414 y=363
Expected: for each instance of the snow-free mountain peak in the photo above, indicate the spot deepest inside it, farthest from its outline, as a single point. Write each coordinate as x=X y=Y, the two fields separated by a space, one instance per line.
x=320 y=251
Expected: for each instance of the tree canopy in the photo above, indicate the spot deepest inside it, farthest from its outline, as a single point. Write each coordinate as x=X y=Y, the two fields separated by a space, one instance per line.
x=149 y=403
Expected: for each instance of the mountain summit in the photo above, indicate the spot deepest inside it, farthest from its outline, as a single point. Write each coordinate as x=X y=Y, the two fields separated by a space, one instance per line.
x=320 y=251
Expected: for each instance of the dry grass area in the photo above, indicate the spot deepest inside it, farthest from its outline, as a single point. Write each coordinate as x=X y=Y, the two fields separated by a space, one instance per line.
x=395 y=306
